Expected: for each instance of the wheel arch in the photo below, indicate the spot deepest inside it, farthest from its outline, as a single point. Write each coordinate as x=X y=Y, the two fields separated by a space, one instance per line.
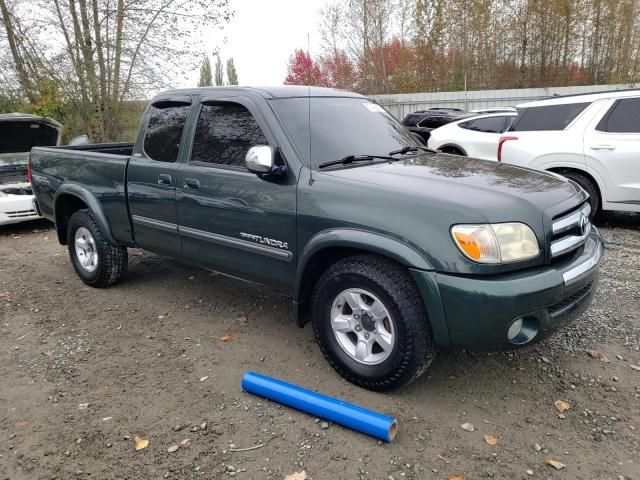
x=584 y=173
x=330 y=246
x=453 y=145
x=71 y=198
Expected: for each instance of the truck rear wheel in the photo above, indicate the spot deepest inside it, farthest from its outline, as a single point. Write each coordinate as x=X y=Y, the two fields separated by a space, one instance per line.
x=371 y=324
x=97 y=263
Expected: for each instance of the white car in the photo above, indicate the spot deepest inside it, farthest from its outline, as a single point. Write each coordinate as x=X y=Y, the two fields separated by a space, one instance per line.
x=591 y=139
x=18 y=133
x=475 y=137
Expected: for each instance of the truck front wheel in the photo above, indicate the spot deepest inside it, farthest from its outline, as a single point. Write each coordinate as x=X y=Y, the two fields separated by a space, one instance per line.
x=97 y=263
x=371 y=324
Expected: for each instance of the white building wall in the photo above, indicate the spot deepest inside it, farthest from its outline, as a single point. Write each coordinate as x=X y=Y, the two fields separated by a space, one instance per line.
x=401 y=104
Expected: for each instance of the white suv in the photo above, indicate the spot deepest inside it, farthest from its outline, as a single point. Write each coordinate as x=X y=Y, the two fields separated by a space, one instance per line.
x=592 y=139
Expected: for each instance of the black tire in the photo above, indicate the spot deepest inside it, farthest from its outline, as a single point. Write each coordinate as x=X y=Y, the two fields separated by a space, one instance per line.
x=413 y=349
x=453 y=151
x=590 y=187
x=112 y=261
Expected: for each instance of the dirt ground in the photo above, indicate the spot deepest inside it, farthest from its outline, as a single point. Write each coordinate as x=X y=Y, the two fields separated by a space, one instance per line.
x=83 y=371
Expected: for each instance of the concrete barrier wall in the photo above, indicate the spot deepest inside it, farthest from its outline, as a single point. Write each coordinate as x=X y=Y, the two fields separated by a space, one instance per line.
x=401 y=104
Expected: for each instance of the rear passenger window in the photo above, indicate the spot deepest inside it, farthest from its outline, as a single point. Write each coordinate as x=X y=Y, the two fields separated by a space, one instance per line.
x=164 y=131
x=622 y=117
x=224 y=134
x=486 y=125
x=548 y=117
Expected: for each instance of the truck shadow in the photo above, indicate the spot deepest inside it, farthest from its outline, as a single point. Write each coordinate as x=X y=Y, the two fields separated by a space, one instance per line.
x=618 y=220
x=32 y=226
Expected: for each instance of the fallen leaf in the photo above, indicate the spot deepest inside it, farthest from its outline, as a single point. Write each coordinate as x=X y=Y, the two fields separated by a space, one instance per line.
x=490 y=440
x=140 y=443
x=635 y=367
x=562 y=406
x=555 y=464
x=598 y=355
x=186 y=443
x=226 y=338
x=297 y=476
x=455 y=477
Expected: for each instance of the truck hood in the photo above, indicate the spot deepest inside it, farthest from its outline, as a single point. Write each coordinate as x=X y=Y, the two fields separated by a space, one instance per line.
x=496 y=190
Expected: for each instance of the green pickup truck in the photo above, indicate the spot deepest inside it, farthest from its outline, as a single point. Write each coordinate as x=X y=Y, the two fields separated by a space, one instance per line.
x=390 y=249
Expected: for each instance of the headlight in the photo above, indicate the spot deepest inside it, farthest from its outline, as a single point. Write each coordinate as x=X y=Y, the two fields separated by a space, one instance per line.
x=497 y=242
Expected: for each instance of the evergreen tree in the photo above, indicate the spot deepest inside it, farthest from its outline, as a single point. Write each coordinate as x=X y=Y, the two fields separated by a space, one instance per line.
x=219 y=71
x=205 y=73
x=232 y=75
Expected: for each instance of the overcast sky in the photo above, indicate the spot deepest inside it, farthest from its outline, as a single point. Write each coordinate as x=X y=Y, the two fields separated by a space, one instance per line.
x=262 y=36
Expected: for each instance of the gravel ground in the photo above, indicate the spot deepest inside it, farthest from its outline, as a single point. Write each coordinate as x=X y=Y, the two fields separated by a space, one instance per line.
x=160 y=356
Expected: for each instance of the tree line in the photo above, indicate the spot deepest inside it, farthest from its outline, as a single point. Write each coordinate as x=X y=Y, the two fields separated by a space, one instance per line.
x=402 y=46
x=88 y=62
x=207 y=78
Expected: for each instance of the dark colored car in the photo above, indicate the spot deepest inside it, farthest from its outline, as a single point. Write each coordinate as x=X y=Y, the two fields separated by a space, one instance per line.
x=390 y=250
x=423 y=121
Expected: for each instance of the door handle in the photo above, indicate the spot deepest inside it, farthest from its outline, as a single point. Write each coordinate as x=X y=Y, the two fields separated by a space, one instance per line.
x=191 y=184
x=164 y=179
x=604 y=146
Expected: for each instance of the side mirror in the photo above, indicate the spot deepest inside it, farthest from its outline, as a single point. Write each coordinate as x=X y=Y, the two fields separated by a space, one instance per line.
x=80 y=140
x=261 y=161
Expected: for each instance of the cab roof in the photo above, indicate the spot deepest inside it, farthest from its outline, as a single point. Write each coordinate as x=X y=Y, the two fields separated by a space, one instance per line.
x=281 y=91
x=582 y=98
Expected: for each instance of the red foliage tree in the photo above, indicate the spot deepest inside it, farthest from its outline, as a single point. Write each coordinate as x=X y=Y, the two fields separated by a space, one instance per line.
x=338 y=71
x=304 y=70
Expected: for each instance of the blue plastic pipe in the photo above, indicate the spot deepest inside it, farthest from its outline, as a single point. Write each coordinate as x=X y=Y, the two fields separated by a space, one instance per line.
x=343 y=413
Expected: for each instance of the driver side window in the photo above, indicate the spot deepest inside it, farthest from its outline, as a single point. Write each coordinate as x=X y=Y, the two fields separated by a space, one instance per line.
x=224 y=134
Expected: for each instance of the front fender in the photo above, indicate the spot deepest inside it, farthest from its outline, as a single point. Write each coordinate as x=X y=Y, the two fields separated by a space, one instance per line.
x=360 y=240
x=92 y=204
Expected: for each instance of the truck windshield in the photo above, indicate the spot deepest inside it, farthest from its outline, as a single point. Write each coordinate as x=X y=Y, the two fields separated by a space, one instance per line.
x=340 y=126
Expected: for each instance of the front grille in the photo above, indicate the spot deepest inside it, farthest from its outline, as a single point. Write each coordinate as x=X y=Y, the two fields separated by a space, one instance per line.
x=570 y=230
x=21 y=213
x=570 y=300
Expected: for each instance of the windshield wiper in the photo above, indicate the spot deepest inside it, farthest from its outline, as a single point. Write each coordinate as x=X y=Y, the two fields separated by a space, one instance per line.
x=411 y=148
x=352 y=159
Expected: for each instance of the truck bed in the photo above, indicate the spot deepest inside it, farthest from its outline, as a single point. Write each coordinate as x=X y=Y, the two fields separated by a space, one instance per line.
x=122 y=148
x=96 y=172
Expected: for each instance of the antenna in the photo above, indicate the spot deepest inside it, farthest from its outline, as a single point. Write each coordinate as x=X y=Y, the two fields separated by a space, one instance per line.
x=309 y=118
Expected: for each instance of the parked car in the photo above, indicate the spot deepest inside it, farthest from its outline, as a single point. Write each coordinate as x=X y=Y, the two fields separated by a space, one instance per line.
x=475 y=137
x=591 y=139
x=19 y=132
x=388 y=248
x=423 y=122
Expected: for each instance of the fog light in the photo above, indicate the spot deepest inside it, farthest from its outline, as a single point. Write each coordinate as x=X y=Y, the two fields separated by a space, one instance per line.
x=522 y=330
x=515 y=329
